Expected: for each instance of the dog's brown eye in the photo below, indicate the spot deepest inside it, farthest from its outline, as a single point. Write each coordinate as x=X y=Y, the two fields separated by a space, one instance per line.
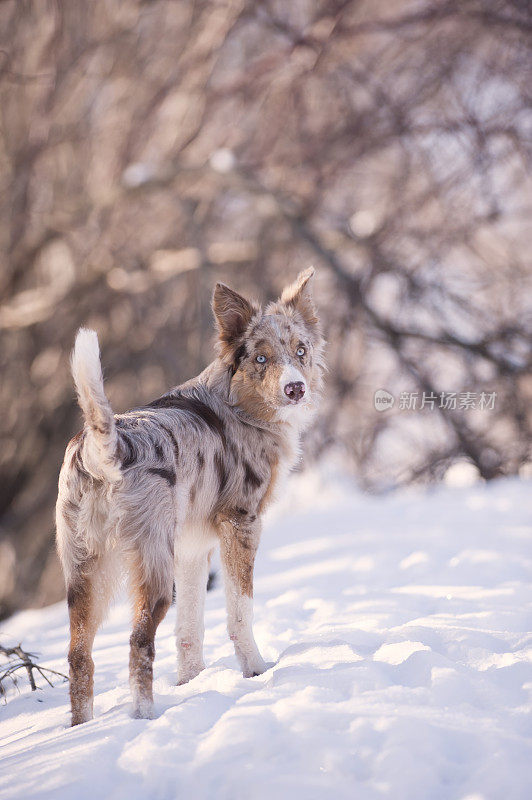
x=261 y=359
x=300 y=351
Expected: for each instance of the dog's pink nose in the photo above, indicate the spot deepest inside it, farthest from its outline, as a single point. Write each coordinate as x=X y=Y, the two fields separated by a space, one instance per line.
x=295 y=391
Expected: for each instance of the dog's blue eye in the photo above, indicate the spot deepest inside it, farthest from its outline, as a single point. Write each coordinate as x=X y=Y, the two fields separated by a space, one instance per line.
x=261 y=359
x=300 y=351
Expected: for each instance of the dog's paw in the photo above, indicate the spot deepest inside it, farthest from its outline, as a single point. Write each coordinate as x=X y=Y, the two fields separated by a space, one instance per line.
x=184 y=676
x=79 y=720
x=143 y=710
x=255 y=669
x=82 y=713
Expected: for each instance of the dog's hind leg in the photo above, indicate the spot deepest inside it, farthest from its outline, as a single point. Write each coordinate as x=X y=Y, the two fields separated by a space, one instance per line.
x=152 y=596
x=192 y=574
x=238 y=546
x=88 y=593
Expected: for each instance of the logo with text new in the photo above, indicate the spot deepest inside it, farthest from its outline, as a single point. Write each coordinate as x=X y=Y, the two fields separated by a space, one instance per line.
x=383 y=400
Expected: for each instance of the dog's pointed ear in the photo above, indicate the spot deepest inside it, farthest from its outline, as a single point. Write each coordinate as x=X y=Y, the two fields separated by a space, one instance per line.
x=232 y=313
x=299 y=296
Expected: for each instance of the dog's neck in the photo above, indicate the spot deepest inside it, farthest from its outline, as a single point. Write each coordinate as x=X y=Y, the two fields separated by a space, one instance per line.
x=217 y=377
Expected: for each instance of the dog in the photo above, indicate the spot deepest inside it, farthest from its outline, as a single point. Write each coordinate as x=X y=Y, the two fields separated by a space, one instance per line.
x=152 y=492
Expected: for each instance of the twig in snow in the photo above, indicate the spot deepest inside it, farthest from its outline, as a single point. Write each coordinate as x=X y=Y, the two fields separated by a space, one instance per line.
x=20 y=659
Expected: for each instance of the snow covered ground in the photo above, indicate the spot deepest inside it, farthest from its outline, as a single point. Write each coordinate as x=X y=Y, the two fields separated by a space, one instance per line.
x=401 y=667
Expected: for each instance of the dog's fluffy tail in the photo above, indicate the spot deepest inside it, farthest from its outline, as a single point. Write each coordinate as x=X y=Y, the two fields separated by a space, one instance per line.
x=100 y=448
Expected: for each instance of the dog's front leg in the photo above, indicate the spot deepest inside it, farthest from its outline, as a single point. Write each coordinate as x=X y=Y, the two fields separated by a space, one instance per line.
x=191 y=573
x=238 y=546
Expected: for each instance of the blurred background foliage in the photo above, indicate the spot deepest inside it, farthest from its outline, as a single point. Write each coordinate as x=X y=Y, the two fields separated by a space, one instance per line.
x=148 y=149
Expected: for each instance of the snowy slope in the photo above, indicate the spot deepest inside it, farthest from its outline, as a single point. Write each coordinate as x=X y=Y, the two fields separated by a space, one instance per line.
x=397 y=628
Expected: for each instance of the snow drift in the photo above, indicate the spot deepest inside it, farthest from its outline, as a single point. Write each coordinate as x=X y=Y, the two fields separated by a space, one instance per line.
x=401 y=667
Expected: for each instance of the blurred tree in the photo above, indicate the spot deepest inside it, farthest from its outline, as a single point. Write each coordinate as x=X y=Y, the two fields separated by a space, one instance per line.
x=148 y=149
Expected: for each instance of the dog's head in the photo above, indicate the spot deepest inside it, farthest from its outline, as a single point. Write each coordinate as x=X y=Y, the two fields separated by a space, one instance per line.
x=274 y=356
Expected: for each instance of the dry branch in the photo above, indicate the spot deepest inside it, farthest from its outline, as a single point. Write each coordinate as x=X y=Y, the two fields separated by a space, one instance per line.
x=19 y=659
